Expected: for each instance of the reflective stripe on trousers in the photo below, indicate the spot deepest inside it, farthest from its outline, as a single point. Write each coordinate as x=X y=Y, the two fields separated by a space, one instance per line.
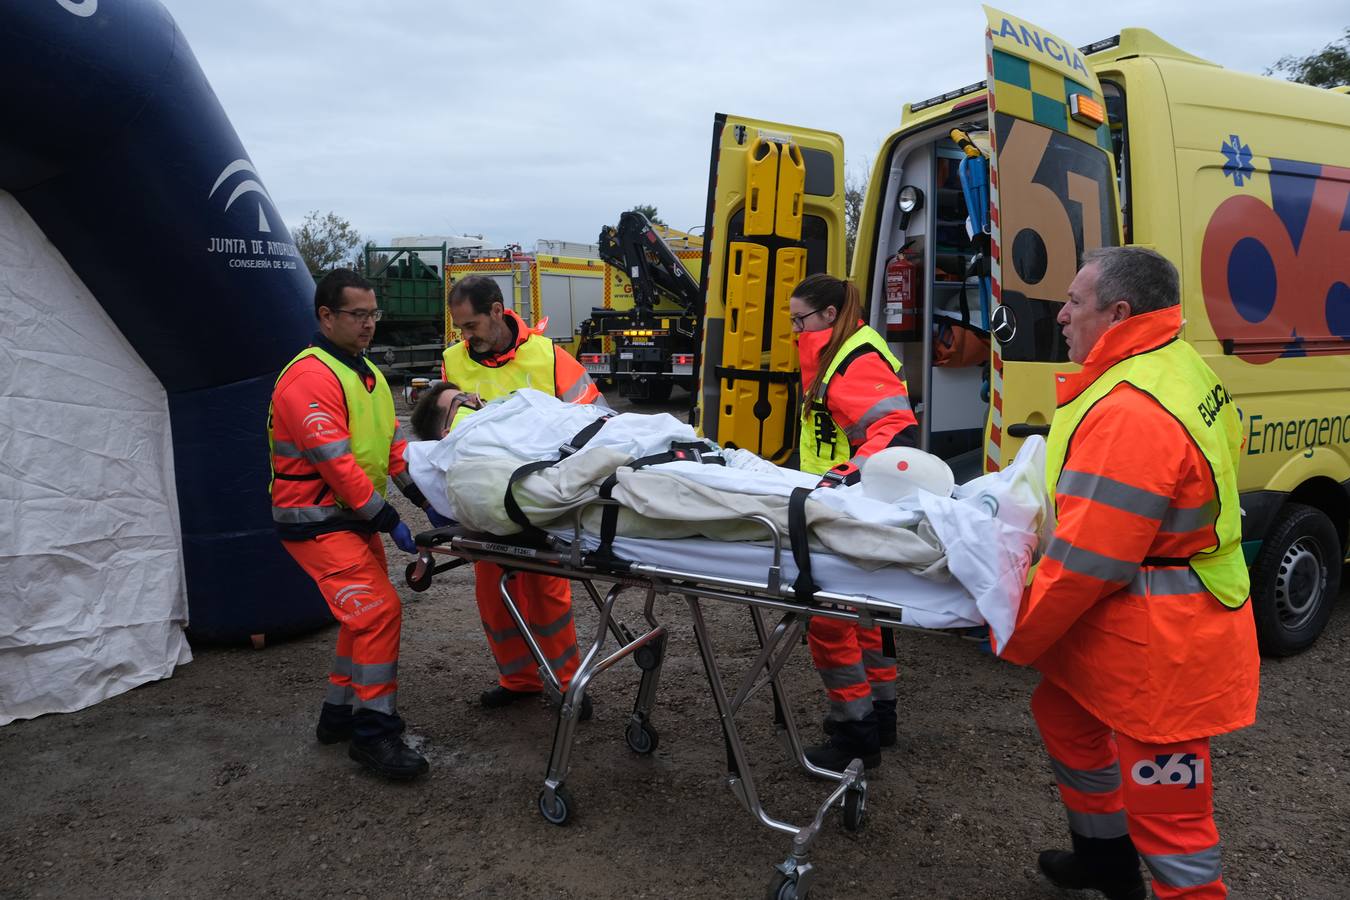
x=545 y=602
x=352 y=574
x=1159 y=794
x=851 y=664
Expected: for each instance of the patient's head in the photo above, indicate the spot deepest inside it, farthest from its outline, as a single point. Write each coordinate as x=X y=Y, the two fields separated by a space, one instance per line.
x=435 y=410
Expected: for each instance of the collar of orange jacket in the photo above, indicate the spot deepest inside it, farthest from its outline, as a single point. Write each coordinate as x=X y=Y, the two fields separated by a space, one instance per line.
x=1136 y=335
x=521 y=333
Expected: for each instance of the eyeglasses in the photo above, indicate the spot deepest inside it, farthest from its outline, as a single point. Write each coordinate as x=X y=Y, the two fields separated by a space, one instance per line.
x=363 y=315
x=798 y=322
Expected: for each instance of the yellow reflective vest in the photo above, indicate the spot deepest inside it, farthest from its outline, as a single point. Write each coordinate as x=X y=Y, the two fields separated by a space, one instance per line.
x=1178 y=379
x=532 y=367
x=823 y=444
x=370 y=418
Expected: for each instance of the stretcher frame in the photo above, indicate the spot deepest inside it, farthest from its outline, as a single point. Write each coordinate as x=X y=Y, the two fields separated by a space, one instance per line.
x=554 y=555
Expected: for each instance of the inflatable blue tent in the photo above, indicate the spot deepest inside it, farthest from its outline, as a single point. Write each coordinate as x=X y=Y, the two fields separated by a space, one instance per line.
x=150 y=295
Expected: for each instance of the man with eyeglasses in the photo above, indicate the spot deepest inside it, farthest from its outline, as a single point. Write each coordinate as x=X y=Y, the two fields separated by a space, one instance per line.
x=498 y=355
x=335 y=444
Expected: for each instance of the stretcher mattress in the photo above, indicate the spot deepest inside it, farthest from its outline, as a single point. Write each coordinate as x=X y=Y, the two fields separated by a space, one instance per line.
x=927 y=603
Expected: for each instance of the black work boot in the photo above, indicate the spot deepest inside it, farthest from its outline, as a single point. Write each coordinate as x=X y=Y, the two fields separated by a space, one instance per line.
x=849 y=740
x=498 y=696
x=885 y=710
x=1109 y=865
x=388 y=757
x=335 y=723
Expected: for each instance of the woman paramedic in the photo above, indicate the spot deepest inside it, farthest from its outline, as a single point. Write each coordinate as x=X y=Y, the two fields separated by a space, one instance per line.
x=854 y=403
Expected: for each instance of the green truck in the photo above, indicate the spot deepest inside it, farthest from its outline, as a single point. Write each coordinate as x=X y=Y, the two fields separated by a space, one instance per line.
x=408 y=285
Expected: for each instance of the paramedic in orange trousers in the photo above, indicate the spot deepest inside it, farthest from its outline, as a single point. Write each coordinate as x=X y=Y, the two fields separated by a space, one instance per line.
x=335 y=445
x=500 y=354
x=855 y=403
x=1138 y=617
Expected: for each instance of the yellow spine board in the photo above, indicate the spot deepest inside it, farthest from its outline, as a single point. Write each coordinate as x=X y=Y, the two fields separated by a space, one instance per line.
x=760 y=414
x=791 y=186
x=742 y=343
x=761 y=179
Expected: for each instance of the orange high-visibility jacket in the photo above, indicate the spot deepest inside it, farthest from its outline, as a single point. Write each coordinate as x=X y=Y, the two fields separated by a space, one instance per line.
x=865 y=397
x=313 y=464
x=571 y=381
x=1113 y=616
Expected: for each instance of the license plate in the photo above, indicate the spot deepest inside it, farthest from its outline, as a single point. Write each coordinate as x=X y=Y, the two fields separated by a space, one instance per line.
x=681 y=370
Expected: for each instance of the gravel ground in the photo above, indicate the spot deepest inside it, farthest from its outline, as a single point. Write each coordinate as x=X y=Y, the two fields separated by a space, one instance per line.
x=211 y=784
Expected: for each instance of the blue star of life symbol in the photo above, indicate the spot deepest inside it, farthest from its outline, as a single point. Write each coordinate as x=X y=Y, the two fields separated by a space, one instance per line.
x=1239 y=165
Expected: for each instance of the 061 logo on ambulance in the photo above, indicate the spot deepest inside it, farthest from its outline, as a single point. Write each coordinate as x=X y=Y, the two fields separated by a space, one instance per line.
x=1277 y=276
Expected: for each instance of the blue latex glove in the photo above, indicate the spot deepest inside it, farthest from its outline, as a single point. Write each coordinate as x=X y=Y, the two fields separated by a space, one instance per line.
x=436 y=519
x=402 y=536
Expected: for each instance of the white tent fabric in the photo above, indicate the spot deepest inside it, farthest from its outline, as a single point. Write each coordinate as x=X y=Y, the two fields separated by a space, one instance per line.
x=92 y=594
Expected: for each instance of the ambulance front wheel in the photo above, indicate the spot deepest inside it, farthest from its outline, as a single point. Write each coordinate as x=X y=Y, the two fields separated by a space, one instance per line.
x=1295 y=580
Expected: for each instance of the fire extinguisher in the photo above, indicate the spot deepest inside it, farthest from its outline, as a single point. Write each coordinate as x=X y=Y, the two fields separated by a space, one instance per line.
x=903 y=296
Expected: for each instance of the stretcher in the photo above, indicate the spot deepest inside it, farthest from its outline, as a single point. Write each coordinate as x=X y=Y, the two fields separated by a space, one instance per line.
x=780 y=592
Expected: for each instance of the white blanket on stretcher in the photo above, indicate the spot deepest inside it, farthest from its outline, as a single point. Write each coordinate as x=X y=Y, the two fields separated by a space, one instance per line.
x=985 y=536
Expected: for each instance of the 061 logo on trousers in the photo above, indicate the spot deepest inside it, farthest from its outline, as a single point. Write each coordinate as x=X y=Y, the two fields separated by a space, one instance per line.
x=1175 y=770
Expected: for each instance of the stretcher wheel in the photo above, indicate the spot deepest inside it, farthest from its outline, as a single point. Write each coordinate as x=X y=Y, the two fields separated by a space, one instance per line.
x=417 y=584
x=783 y=887
x=855 y=808
x=647 y=658
x=642 y=739
x=560 y=810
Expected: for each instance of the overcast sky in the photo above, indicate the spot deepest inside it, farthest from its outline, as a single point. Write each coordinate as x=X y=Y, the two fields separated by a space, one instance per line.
x=520 y=121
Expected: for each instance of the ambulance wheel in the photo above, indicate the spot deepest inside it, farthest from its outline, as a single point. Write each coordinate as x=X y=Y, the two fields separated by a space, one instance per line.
x=642 y=739
x=783 y=887
x=1295 y=580
x=560 y=810
x=417 y=584
x=855 y=808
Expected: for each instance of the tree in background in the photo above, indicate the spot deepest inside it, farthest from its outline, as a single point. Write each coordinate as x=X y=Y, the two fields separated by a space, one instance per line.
x=327 y=242
x=855 y=189
x=648 y=210
x=1328 y=68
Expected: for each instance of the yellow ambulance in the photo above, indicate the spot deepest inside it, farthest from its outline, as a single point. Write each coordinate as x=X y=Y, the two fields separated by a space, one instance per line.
x=1241 y=180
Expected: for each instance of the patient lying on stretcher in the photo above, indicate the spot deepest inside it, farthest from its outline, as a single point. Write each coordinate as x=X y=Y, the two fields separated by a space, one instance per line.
x=671 y=484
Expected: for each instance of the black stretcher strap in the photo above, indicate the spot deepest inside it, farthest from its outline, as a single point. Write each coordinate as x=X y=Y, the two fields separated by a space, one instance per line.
x=513 y=510
x=687 y=451
x=609 y=518
x=580 y=439
x=803 y=587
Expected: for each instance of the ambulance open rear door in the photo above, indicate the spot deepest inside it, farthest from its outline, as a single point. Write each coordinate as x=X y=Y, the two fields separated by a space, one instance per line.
x=775 y=214
x=1052 y=198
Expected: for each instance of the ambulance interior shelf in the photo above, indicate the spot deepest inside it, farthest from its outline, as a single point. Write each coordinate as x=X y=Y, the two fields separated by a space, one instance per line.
x=950 y=401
